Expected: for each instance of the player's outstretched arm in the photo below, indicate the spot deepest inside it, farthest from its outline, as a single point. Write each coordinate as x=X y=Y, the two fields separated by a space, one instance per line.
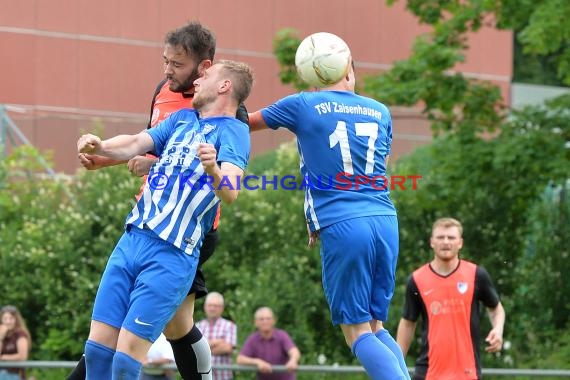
x=256 y=121
x=94 y=162
x=121 y=147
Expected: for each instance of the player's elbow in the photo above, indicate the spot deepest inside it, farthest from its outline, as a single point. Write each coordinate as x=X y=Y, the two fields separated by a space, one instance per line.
x=228 y=197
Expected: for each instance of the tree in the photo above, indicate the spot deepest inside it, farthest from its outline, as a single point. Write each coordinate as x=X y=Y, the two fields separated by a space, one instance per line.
x=55 y=237
x=544 y=43
x=491 y=184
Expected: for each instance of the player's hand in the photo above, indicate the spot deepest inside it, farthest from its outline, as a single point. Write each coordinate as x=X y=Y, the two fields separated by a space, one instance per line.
x=140 y=165
x=88 y=144
x=89 y=161
x=207 y=154
x=494 y=341
x=313 y=237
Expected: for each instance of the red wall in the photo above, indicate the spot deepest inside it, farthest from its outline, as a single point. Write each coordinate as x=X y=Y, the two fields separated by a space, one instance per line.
x=75 y=64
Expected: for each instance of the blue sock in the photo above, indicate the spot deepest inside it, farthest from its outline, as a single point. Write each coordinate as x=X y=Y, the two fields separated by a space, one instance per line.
x=98 y=361
x=378 y=361
x=389 y=341
x=125 y=367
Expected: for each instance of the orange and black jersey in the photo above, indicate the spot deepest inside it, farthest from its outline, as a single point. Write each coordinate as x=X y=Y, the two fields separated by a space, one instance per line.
x=450 y=310
x=166 y=102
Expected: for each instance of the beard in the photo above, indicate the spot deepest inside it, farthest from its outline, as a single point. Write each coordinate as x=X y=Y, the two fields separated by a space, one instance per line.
x=186 y=84
x=202 y=98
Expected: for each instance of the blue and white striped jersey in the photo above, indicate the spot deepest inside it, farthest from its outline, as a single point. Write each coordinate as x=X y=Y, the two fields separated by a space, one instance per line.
x=176 y=202
x=343 y=139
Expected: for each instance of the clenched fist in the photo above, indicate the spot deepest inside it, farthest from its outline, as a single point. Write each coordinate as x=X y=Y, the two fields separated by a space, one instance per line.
x=88 y=144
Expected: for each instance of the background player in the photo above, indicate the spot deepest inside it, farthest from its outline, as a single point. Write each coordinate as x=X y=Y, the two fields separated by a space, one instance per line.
x=446 y=293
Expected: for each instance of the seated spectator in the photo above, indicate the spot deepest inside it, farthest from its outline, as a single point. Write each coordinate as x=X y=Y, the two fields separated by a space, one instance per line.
x=159 y=354
x=269 y=346
x=15 y=342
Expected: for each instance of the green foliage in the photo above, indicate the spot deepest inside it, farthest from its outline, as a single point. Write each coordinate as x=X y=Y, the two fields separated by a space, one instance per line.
x=542 y=273
x=54 y=247
x=285 y=45
x=538 y=31
x=452 y=102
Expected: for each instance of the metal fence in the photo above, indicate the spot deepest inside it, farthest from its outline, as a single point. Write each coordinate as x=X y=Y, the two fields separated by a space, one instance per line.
x=336 y=369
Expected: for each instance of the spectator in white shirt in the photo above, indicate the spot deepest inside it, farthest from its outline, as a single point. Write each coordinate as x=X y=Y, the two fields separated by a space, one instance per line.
x=159 y=354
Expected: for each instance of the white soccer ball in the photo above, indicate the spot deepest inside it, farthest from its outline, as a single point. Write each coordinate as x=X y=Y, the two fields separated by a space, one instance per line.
x=322 y=59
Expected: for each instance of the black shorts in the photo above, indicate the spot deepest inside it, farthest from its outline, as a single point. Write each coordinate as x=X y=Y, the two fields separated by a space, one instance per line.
x=208 y=247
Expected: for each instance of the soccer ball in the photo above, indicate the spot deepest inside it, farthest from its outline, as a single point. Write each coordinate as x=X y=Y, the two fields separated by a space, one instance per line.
x=322 y=59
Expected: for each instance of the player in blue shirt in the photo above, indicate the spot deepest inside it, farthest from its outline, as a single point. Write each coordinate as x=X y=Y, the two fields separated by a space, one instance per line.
x=152 y=267
x=344 y=142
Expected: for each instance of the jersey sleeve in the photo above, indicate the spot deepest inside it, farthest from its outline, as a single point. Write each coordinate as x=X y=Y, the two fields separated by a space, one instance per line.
x=412 y=301
x=388 y=129
x=283 y=113
x=486 y=291
x=235 y=144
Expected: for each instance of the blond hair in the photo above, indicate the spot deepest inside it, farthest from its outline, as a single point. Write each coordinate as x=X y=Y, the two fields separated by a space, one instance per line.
x=241 y=76
x=447 y=223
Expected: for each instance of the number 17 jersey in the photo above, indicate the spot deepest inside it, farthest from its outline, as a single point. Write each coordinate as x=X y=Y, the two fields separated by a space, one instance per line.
x=343 y=140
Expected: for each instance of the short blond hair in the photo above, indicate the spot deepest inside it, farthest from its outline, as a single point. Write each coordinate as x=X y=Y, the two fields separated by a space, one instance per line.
x=447 y=223
x=241 y=76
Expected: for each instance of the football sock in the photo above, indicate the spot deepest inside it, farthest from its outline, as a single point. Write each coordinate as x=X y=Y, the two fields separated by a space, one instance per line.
x=193 y=356
x=378 y=361
x=389 y=341
x=98 y=361
x=126 y=367
x=78 y=372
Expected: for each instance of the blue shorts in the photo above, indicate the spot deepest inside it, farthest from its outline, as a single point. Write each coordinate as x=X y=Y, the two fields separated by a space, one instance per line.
x=359 y=258
x=145 y=281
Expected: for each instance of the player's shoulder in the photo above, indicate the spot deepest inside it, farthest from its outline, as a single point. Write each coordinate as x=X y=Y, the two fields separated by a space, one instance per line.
x=469 y=264
x=188 y=114
x=481 y=271
x=223 y=122
x=383 y=108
